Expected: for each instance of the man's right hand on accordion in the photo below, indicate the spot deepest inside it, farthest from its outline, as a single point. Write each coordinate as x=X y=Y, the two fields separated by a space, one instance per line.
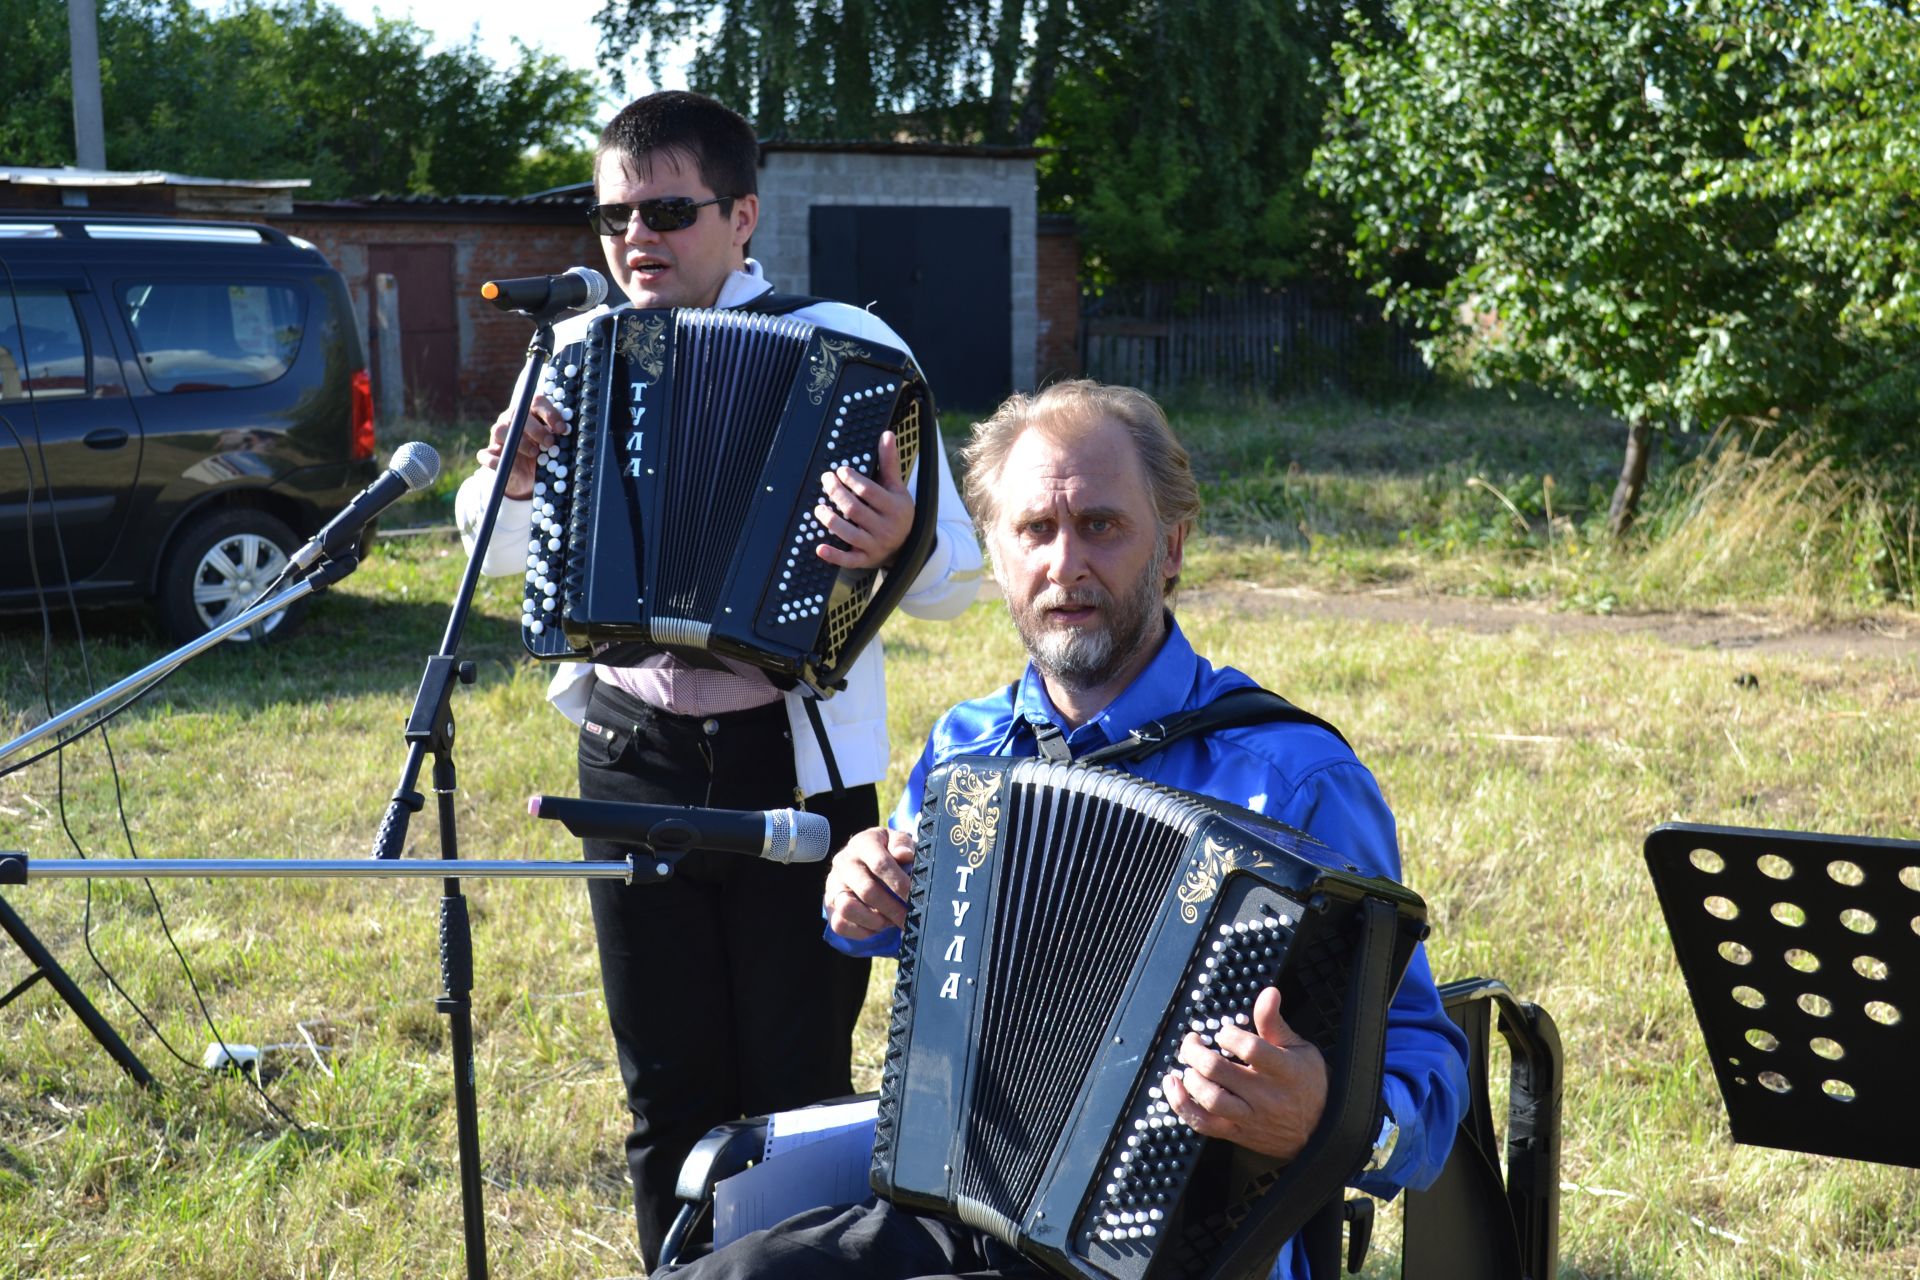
x=1084 y=500
x=545 y=423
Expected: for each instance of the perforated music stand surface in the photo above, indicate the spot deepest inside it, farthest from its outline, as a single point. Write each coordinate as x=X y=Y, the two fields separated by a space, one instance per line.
x=1801 y=953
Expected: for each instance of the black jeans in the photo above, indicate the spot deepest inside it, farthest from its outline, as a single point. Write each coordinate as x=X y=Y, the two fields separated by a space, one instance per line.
x=723 y=997
x=870 y=1241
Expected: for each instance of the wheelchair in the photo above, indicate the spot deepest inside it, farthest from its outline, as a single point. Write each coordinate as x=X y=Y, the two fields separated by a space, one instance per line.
x=1478 y=1221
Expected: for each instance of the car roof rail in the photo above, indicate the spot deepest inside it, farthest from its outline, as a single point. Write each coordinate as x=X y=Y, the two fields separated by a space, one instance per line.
x=108 y=226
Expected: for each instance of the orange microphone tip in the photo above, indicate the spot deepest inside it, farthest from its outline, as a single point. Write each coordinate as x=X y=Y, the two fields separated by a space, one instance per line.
x=489 y=291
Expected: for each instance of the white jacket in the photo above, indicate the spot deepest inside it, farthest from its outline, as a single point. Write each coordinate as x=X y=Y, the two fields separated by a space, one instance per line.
x=856 y=717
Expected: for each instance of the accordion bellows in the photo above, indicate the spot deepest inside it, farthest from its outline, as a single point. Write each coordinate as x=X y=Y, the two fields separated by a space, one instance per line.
x=1067 y=927
x=678 y=514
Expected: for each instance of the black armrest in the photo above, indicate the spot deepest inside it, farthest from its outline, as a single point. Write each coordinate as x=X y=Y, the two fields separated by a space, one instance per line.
x=1472 y=1222
x=726 y=1150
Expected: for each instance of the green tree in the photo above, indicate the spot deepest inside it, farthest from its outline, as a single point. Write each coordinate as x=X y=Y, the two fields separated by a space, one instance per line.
x=1841 y=146
x=1549 y=158
x=1184 y=132
x=1178 y=131
x=290 y=88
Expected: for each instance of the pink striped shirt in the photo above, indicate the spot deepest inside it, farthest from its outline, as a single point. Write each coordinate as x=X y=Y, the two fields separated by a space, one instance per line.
x=673 y=685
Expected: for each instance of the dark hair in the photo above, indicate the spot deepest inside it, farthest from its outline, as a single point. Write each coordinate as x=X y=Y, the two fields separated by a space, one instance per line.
x=715 y=140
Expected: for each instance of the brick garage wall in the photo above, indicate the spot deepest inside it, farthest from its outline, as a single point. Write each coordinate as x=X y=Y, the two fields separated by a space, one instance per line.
x=793 y=181
x=1058 y=274
x=492 y=344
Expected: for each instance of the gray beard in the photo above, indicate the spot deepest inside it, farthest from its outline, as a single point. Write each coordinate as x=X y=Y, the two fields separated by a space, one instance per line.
x=1085 y=658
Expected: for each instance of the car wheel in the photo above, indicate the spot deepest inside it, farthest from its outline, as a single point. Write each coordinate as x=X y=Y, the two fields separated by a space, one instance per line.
x=220 y=563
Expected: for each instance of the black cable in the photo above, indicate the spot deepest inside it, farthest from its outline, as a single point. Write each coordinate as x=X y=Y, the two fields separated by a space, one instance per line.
x=99 y=722
x=86 y=666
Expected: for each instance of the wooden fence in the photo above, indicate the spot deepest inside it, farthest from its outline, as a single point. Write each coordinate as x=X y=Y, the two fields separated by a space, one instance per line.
x=1240 y=337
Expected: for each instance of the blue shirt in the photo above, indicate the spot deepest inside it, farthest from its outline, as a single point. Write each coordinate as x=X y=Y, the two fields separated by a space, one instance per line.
x=1298 y=774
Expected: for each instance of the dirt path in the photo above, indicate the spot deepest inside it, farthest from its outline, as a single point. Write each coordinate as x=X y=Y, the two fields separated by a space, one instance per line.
x=1890 y=636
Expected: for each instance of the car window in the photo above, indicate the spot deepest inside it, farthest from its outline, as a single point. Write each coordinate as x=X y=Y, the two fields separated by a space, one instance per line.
x=42 y=349
x=211 y=336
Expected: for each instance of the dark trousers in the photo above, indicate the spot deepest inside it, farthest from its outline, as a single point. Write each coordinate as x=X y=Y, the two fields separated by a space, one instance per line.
x=870 y=1241
x=723 y=998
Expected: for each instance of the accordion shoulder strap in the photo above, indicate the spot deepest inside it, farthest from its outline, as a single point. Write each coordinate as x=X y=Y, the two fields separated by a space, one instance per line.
x=772 y=303
x=1231 y=710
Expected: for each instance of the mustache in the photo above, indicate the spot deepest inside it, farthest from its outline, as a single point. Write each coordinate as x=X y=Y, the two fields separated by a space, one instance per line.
x=1061 y=598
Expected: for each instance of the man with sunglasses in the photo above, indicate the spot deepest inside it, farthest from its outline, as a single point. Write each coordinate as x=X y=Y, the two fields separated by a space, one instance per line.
x=722 y=997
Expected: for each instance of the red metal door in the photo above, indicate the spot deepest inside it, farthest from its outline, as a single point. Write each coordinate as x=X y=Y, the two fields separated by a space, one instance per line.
x=429 y=332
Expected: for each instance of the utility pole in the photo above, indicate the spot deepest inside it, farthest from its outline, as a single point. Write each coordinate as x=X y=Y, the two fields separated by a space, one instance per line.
x=89 y=132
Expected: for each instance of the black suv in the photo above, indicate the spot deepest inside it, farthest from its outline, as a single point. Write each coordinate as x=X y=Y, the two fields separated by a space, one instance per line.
x=190 y=399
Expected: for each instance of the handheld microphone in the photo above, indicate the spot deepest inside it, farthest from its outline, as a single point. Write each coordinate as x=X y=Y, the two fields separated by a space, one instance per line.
x=571 y=290
x=779 y=835
x=414 y=466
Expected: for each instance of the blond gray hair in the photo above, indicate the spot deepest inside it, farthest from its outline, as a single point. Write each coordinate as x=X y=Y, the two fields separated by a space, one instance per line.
x=1066 y=408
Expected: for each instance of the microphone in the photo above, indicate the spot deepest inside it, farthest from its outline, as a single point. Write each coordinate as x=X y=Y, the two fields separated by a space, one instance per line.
x=571 y=290
x=779 y=835
x=414 y=466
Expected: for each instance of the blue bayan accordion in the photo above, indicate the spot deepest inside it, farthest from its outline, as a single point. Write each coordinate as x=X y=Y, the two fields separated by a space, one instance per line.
x=1067 y=927
x=678 y=514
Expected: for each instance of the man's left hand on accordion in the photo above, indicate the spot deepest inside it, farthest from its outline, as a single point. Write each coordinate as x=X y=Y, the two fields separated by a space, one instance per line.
x=871 y=514
x=1263 y=1091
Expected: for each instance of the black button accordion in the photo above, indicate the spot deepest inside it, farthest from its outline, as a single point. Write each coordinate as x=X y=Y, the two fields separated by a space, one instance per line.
x=1067 y=927
x=678 y=513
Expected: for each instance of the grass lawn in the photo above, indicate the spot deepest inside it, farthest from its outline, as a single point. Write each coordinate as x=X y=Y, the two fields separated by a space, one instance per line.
x=1525 y=769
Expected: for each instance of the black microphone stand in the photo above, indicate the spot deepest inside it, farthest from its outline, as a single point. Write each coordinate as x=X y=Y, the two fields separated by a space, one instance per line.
x=430 y=730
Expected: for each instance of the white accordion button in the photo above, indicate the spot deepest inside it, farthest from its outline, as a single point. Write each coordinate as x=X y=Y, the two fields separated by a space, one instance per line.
x=559 y=486
x=539 y=488
x=553 y=544
x=572 y=369
x=537 y=626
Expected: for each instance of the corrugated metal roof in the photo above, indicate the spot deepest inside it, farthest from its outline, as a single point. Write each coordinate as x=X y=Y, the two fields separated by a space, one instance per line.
x=32 y=177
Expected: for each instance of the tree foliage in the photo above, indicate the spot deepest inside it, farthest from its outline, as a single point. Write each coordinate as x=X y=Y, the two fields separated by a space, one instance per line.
x=290 y=88
x=849 y=69
x=1840 y=144
x=1184 y=132
x=1178 y=131
x=1602 y=187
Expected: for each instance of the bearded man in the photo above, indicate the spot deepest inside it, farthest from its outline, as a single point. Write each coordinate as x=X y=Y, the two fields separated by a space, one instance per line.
x=1085 y=499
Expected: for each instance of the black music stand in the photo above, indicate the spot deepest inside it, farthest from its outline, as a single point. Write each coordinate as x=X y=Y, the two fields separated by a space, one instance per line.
x=1801 y=953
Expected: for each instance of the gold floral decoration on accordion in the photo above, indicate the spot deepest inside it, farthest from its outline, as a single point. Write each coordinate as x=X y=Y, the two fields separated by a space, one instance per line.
x=644 y=343
x=1203 y=880
x=972 y=801
x=826 y=365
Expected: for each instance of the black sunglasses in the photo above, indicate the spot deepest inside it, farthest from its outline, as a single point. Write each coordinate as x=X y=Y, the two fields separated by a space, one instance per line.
x=669 y=213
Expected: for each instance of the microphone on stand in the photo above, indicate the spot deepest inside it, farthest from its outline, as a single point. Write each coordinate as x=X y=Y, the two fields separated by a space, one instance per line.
x=572 y=290
x=414 y=466
x=778 y=835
